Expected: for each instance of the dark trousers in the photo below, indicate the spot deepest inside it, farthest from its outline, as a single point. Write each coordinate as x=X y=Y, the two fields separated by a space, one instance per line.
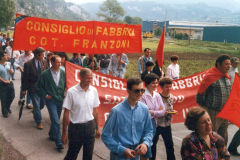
x=166 y=133
x=78 y=135
x=7 y=94
x=235 y=142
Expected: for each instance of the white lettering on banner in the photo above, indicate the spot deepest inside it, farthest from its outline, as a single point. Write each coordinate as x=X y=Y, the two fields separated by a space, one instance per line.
x=188 y=82
x=178 y=99
x=113 y=99
x=106 y=116
x=184 y=113
x=104 y=81
x=77 y=71
x=95 y=80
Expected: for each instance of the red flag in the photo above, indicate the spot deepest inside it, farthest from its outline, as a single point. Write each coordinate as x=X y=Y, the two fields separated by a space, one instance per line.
x=160 y=49
x=231 y=110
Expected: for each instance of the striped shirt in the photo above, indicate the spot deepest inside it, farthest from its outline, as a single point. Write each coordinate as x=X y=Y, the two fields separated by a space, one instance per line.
x=216 y=95
x=154 y=103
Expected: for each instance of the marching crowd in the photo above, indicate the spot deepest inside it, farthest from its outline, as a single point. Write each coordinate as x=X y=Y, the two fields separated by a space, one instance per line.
x=133 y=126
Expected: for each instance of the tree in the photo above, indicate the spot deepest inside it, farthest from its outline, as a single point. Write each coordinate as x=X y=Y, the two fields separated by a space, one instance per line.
x=158 y=31
x=111 y=11
x=133 y=20
x=7 y=11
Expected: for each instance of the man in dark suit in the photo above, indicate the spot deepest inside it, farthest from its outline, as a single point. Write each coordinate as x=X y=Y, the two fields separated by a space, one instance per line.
x=32 y=70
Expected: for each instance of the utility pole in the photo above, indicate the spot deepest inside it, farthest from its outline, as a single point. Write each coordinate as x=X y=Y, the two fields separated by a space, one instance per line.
x=165 y=20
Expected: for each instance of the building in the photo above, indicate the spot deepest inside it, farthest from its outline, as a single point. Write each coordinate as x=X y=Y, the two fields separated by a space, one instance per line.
x=226 y=34
x=194 y=29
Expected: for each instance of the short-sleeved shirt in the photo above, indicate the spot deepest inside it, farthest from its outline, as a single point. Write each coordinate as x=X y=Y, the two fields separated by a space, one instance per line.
x=4 y=71
x=81 y=103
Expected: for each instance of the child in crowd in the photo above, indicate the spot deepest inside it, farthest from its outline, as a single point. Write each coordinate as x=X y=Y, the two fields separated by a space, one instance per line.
x=164 y=123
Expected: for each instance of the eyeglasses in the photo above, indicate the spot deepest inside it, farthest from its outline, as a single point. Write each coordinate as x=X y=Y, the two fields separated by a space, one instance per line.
x=137 y=91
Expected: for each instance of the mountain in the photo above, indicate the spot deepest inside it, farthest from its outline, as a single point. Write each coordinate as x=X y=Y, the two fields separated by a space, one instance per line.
x=52 y=9
x=176 y=11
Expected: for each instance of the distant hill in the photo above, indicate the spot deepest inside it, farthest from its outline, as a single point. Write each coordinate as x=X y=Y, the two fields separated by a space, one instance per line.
x=155 y=10
x=52 y=9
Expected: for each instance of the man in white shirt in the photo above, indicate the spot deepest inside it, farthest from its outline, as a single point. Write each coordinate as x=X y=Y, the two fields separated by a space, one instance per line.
x=173 y=69
x=80 y=105
x=233 y=68
x=19 y=64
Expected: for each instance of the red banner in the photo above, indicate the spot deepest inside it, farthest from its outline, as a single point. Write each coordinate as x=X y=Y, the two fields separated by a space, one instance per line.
x=113 y=90
x=75 y=36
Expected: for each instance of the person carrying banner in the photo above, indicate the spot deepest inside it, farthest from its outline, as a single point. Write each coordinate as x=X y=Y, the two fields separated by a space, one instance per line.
x=118 y=64
x=76 y=59
x=81 y=116
x=154 y=102
x=128 y=131
x=173 y=69
x=213 y=93
x=51 y=85
x=141 y=65
x=19 y=64
x=7 y=93
x=164 y=122
x=32 y=70
x=149 y=67
x=90 y=62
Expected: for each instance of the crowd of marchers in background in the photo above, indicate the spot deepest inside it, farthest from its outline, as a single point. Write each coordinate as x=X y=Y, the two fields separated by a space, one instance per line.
x=133 y=126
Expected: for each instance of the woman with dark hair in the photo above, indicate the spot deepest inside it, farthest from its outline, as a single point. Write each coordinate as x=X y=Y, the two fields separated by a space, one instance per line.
x=154 y=101
x=173 y=69
x=203 y=143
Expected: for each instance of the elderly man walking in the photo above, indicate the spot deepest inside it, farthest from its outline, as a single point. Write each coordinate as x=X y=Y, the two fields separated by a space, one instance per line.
x=213 y=93
x=81 y=115
x=128 y=131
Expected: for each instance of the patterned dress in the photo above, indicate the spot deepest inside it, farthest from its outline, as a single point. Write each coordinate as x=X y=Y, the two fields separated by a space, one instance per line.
x=195 y=148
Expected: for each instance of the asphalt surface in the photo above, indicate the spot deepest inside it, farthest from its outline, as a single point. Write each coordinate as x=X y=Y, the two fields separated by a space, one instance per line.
x=35 y=145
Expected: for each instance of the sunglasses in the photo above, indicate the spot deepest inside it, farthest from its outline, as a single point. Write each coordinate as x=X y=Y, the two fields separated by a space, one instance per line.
x=137 y=91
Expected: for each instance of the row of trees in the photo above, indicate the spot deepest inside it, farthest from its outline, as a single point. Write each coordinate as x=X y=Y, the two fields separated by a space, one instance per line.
x=7 y=11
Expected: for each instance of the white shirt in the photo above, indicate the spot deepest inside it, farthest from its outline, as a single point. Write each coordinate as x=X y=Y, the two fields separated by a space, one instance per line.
x=231 y=73
x=56 y=76
x=9 y=52
x=22 y=58
x=173 y=71
x=81 y=103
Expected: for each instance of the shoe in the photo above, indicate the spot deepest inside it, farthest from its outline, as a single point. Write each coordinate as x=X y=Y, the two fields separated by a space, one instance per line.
x=5 y=115
x=234 y=153
x=20 y=102
x=51 y=138
x=28 y=106
x=9 y=111
x=39 y=126
x=60 y=147
x=13 y=79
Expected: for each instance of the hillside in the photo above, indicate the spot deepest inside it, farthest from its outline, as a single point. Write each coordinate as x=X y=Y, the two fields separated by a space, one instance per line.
x=52 y=9
x=155 y=10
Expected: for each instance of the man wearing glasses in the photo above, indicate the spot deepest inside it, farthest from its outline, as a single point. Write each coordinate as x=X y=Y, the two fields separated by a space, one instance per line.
x=128 y=130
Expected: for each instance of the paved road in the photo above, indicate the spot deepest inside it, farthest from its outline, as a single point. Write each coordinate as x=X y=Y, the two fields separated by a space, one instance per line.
x=34 y=144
